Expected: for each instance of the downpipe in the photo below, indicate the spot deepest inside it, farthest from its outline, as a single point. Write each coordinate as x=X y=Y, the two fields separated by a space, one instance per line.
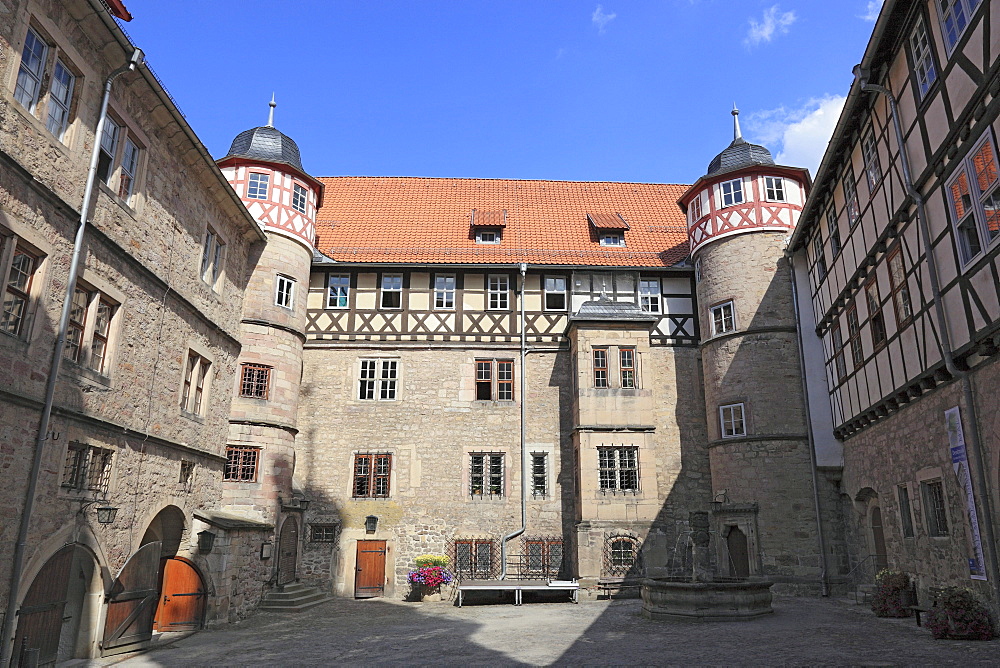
x=973 y=443
x=50 y=387
x=524 y=455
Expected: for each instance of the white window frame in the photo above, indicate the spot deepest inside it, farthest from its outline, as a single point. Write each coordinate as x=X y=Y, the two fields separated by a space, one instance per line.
x=284 y=291
x=650 y=295
x=378 y=379
x=444 y=292
x=851 y=204
x=721 y=310
x=732 y=420
x=628 y=363
x=551 y=284
x=489 y=235
x=498 y=292
x=120 y=158
x=213 y=258
x=695 y=208
x=391 y=284
x=254 y=187
x=873 y=166
x=300 y=198
x=731 y=192
x=342 y=294
x=924 y=68
x=28 y=88
x=955 y=17
x=60 y=100
x=774 y=189
x=972 y=219
x=612 y=239
x=196 y=384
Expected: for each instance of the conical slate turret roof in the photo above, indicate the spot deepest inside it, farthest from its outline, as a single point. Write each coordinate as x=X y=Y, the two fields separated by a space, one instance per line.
x=740 y=153
x=266 y=143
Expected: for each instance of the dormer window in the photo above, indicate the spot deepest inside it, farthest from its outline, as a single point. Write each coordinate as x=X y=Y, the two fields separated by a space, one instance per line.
x=488 y=225
x=732 y=192
x=488 y=235
x=613 y=239
x=610 y=228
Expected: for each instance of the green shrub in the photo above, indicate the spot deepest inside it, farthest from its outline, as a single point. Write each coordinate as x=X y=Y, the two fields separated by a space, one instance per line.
x=888 y=598
x=959 y=614
x=425 y=560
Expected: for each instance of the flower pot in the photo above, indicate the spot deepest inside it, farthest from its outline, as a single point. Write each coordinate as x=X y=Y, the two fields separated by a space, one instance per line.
x=430 y=594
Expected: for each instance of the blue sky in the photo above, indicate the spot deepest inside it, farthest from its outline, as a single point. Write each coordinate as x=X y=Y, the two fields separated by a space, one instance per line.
x=546 y=89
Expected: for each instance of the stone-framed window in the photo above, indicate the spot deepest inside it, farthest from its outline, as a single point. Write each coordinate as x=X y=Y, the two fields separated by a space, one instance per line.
x=474 y=558
x=732 y=420
x=723 y=318
x=494 y=380
x=324 y=533
x=19 y=265
x=87 y=468
x=922 y=56
x=600 y=367
x=392 y=291
x=378 y=379
x=905 y=513
x=255 y=381
x=241 y=463
x=284 y=291
x=119 y=158
x=539 y=475
x=621 y=555
x=555 y=293
x=774 y=189
x=213 y=257
x=650 y=295
x=732 y=192
x=46 y=80
x=543 y=556
x=626 y=368
x=444 y=291
x=89 y=331
x=371 y=475
x=185 y=477
x=935 y=510
x=498 y=292
x=299 y=198
x=195 y=386
x=257 y=185
x=618 y=468
x=338 y=290
x=486 y=474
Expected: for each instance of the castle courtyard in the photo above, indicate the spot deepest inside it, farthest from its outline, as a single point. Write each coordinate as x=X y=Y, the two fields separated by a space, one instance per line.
x=802 y=631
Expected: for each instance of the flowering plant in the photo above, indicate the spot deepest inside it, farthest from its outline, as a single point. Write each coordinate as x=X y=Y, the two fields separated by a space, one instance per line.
x=888 y=599
x=959 y=614
x=430 y=576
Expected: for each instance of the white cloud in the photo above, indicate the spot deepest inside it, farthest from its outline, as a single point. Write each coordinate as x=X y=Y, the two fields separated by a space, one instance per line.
x=600 y=19
x=872 y=11
x=798 y=135
x=770 y=23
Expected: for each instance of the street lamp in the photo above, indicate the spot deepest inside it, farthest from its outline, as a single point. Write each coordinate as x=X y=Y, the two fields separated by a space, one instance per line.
x=106 y=514
x=206 y=540
x=371 y=523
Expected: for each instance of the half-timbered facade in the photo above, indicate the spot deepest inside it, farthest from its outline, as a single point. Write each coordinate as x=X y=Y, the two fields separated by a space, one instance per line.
x=897 y=264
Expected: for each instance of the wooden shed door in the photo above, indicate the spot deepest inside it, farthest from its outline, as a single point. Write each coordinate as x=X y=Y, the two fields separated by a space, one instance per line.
x=182 y=598
x=369 y=578
x=288 y=546
x=40 y=617
x=878 y=536
x=132 y=602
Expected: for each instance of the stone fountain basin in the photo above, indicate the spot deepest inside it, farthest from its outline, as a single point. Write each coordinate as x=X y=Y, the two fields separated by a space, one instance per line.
x=716 y=601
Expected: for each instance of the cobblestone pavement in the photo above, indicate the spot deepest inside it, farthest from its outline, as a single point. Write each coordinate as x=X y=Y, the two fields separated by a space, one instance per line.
x=803 y=631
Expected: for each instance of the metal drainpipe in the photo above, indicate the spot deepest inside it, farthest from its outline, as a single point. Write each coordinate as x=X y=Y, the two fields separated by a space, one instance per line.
x=824 y=585
x=972 y=438
x=50 y=387
x=524 y=454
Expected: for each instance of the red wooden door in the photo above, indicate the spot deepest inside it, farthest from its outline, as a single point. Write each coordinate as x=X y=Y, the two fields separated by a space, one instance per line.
x=40 y=617
x=288 y=548
x=369 y=578
x=182 y=598
x=132 y=602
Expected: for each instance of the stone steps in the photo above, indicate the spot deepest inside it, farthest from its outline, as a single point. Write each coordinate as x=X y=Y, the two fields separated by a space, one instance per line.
x=294 y=597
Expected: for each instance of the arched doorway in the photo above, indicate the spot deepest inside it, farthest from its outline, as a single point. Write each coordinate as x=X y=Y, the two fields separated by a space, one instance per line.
x=182 y=599
x=55 y=621
x=739 y=553
x=167 y=528
x=288 y=547
x=878 y=539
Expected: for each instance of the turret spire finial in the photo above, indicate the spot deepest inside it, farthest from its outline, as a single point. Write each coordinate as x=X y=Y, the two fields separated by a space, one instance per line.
x=736 y=123
x=270 y=114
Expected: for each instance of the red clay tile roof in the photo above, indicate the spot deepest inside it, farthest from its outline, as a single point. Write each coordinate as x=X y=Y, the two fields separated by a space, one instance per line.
x=607 y=221
x=481 y=218
x=427 y=220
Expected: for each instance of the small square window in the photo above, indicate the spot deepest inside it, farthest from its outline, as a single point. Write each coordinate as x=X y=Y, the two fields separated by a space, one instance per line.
x=732 y=421
x=257 y=185
x=371 y=475
x=774 y=189
x=378 y=379
x=254 y=381
x=241 y=464
x=486 y=474
x=323 y=533
x=732 y=192
x=339 y=289
x=612 y=239
x=618 y=468
x=392 y=291
x=494 y=380
x=87 y=468
x=555 y=293
x=489 y=235
x=723 y=318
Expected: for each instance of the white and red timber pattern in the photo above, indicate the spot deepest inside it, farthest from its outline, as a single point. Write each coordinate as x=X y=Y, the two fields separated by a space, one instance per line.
x=753 y=215
x=276 y=212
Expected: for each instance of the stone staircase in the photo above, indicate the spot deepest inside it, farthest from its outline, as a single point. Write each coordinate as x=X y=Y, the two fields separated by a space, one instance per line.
x=293 y=597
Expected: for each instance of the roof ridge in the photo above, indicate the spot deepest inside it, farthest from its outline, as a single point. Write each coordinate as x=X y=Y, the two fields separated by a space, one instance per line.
x=475 y=178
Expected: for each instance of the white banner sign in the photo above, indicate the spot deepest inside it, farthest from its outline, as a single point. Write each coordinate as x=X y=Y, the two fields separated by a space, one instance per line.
x=960 y=463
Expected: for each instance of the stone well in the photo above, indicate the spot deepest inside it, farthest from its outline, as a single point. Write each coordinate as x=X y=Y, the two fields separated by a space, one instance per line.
x=717 y=601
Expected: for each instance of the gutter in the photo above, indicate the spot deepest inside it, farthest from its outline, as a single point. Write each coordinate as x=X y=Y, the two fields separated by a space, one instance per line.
x=523 y=268
x=57 y=353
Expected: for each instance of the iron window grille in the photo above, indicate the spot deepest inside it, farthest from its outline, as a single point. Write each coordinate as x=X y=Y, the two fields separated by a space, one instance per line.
x=255 y=380
x=732 y=192
x=284 y=291
x=723 y=318
x=378 y=380
x=392 y=291
x=622 y=556
x=474 y=558
x=626 y=359
x=539 y=475
x=905 y=516
x=934 y=507
x=444 y=291
x=257 y=185
x=371 y=475
x=540 y=557
x=87 y=469
x=600 y=367
x=299 y=198
x=323 y=533
x=338 y=290
x=618 y=468
x=494 y=380
x=486 y=473
x=774 y=188
x=732 y=420
x=923 y=58
x=241 y=463
x=498 y=288
x=649 y=295
x=17 y=290
x=555 y=293
x=875 y=316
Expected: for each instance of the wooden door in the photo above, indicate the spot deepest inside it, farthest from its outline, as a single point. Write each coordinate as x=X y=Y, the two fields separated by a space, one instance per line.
x=878 y=537
x=132 y=602
x=739 y=553
x=181 y=604
x=369 y=578
x=288 y=548
x=40 y=617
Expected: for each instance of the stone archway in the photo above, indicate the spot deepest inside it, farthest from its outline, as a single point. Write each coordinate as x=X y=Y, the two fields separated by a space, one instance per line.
x=168 y=528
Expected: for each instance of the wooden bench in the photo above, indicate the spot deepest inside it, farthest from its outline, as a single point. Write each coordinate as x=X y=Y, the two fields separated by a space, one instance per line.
x=610 y=586
x=935 y=593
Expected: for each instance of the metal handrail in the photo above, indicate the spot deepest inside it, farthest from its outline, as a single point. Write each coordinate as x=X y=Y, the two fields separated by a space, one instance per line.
x=855 y=573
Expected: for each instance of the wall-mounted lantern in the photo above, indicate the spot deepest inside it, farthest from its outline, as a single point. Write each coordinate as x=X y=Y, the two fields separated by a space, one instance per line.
x=371 y=524
x=106 y=514
x=266 y=549
x=206 y=541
